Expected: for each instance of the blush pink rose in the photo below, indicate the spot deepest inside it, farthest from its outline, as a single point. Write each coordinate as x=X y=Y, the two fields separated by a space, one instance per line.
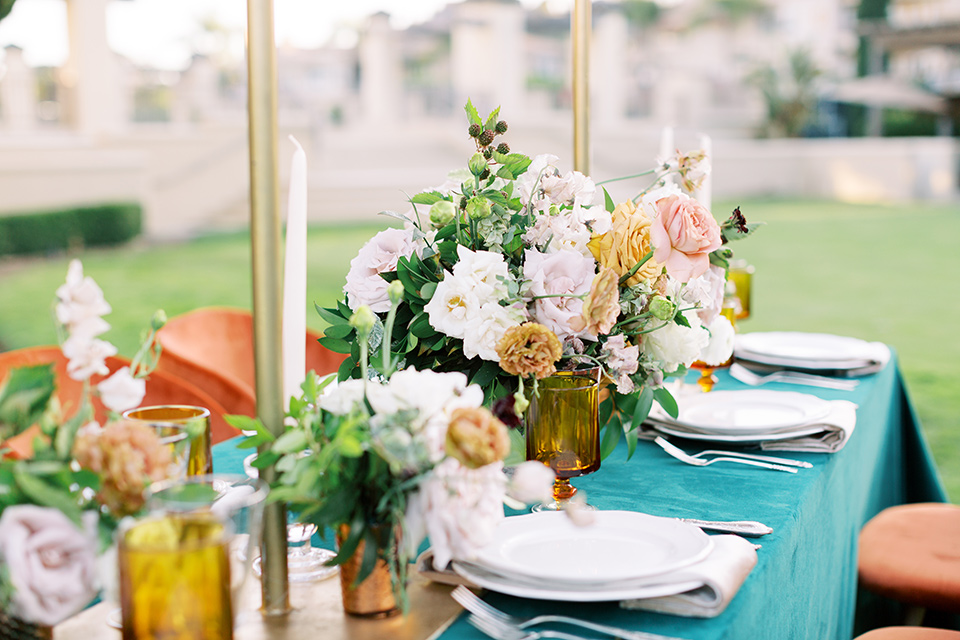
x=683 y=234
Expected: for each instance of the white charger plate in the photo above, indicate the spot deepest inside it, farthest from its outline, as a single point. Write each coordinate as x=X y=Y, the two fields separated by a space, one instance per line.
x=822 y=350
x=618 y=546
x=747 y=412
x=546 y=591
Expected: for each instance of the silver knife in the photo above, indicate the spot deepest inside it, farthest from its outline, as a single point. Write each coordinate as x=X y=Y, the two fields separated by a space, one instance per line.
x=746 y=528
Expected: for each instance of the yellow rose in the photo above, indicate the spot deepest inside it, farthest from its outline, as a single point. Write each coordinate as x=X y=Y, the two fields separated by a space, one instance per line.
x=627 y=242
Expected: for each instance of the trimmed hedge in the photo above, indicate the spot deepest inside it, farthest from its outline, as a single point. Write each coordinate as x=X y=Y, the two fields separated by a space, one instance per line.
x=53 y=231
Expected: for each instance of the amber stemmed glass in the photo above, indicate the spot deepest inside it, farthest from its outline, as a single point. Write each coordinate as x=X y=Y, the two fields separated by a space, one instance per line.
x=563 y=429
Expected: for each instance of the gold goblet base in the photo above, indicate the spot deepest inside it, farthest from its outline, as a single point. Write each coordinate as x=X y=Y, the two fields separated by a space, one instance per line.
x=563 y=491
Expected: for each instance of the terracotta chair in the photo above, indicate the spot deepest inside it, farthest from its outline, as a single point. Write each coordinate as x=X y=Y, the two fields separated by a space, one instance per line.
x=911 y=554
x=909 y=633
x=213 y=348
x=162 y=388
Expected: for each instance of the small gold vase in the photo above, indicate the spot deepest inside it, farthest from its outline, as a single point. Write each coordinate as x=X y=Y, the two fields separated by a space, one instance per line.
x=13 y=628
x=372 y=598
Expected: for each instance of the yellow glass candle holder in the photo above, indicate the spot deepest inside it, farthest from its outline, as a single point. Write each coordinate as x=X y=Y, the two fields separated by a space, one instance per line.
x=195 y=420
x=741 y=275
x=175 y=578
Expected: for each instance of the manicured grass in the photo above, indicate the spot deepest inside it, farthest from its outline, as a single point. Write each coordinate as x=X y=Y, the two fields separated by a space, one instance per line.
x=878 y=272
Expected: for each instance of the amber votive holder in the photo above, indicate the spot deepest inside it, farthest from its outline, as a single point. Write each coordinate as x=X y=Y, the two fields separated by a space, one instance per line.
x=196 y=422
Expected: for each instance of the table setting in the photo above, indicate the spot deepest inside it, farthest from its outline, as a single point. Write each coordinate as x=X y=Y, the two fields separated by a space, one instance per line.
x=544 y=399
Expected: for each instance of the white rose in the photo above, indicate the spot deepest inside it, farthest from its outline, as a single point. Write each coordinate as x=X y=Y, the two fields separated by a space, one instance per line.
x=430 y=392
x=87 y=356
x=532 y=482
x=52 y=563
x=486 y=328
x=453 y=302
x=379 y=255
x=562 y=276
x=674 y=345
x=122 y=391
x=720 y=345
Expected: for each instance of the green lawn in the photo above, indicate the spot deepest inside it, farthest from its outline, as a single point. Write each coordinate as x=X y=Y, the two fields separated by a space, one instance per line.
x=871 y=271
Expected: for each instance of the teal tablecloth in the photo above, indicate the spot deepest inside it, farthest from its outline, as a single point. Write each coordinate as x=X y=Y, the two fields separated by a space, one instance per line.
x=805 y=581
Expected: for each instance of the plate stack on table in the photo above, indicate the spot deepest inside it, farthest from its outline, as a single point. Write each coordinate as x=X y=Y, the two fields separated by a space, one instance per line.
x=815 y=352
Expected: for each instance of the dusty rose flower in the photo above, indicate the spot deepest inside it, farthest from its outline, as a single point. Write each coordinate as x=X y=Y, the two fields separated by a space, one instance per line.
x=602 y=306
x=476 y=437
x=379 y=255
x=130 y=456
x=529 y=348
x=52 y=563
x=627 y=242
x=684 y=233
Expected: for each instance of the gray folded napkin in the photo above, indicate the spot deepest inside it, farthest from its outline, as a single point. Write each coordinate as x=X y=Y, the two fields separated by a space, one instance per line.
x=718 y=576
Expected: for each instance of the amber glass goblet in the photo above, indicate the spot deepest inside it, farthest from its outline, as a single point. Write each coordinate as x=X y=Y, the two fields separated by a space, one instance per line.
x=196 y=422
x=563 y=428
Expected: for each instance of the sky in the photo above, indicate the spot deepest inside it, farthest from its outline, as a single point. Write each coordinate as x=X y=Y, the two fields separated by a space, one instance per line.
x=164 y=33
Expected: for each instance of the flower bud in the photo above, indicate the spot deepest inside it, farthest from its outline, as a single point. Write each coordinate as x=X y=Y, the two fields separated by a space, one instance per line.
x=661 y=308
x=477 y=164
x=475 y=130
x=503 y=148
x=478 y=208
x=363 y=320
x=159 y=319
x=501 y=126
x=442 y=213
x=395 y=292
x=520 y=402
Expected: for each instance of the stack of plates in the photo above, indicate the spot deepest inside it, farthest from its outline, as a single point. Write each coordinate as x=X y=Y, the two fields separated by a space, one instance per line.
x=748 y=416
x=811 y=351
x=622 y=555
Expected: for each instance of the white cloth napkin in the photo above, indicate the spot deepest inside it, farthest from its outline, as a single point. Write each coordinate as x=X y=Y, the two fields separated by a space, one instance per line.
x=837 y=427
x=720 y=575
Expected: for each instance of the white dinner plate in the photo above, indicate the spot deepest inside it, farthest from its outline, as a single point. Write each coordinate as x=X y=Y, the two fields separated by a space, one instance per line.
x=679 y=432
x=746 y=412
x=546 y=591
x=822 y=350
x=618 y=546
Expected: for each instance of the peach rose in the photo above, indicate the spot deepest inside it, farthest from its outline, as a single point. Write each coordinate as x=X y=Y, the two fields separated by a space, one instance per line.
x=529 y=348
x=602 y=306
x=476 y=437
x=626 y=243
x=683 y=234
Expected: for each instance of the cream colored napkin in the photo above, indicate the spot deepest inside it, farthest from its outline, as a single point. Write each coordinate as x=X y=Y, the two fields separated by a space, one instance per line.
x=722 y=573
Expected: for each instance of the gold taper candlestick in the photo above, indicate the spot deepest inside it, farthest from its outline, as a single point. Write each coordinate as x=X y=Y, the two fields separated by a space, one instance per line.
x=267 y=298
x=580 y=27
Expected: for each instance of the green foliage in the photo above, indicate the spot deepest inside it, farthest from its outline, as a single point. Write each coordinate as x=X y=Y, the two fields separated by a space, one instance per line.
x=24 y=398
x=5 y=7
x=790 y=96
x=90 y=226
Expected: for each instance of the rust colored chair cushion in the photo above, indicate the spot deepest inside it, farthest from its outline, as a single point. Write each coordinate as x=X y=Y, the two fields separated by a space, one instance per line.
x=909 y=633
x=213 y=348
x=911 y=553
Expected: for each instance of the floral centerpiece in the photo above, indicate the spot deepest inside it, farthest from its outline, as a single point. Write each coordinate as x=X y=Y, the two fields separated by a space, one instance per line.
x=60 y=504
x=511 y=268
x=386 y=462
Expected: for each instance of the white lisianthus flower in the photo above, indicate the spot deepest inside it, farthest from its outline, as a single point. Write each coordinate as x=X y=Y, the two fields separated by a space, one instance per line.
x=483 y=272
x=674 y=345
x=52 y=564
x=458 y=508
x=81 y=303
x=571 y=187
x=621 y=361
x=566 y=274
x=720 y=346
x=452 y=304
x=485 y=329
x=706 y=292
x=532 y=482
x=122 y=391
x=379 y=255
x=87 y=356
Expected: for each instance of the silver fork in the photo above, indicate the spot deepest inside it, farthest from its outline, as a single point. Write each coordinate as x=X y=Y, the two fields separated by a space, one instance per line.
x=683 y=456
x=500 y=631
x=483 y=611
x=748 y=377
x=753 y=456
